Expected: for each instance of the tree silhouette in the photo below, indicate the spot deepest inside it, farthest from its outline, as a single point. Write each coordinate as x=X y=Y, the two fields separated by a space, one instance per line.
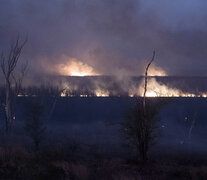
x=34 y=125
x=8 y=65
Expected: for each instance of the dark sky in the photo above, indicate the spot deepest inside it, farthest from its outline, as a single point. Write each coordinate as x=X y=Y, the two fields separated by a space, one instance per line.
x=112 y=36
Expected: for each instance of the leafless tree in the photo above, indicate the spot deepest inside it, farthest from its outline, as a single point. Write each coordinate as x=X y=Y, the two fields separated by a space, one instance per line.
x=8 y=66
x=146 y=80
x=145 y=124
x=140 y=121
x=18 y=79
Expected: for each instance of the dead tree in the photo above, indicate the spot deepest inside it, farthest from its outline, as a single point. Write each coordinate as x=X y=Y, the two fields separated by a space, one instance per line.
x=8 y=65
x=18 y=79
x=145 y=123
x=146 y=80
x=139 y=125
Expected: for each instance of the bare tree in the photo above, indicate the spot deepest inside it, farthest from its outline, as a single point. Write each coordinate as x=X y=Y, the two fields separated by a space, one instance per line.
x=8 y=65
x=146 y=80
x=146 y=124
x=18 y=79
x=140 y=121
x=140 y=129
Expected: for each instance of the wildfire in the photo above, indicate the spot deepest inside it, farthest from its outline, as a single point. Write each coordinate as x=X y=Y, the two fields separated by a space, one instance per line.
x=101 y=93
x=63 y=94
x=155 y=89
x=67 y=92
x=156 y=71
x=76 y=68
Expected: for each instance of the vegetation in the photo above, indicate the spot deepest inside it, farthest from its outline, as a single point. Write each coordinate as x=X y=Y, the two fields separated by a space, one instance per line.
x=82 y=161
x=13 y=81
x=141 y=129
x=18 y=163
x=139 y=125
x=34 y=126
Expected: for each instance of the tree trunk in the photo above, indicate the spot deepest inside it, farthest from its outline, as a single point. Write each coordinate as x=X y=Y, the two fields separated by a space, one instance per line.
x=8 y=107
x=145 y=123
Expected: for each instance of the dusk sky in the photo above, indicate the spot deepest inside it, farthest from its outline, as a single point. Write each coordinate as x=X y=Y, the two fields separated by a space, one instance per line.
x=111 y=36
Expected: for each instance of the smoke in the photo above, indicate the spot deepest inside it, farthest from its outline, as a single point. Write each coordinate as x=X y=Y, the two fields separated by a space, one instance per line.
x=114 y=37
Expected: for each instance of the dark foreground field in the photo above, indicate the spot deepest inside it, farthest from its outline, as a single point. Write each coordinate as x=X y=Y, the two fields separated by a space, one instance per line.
x=90 y=163
x=84 y=140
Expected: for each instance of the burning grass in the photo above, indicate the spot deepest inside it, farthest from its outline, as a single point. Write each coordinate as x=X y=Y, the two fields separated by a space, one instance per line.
x=111 y=86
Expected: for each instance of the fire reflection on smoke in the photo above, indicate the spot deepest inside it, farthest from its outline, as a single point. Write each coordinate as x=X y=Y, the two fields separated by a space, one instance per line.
x=155 y=89
x=105 y=86
x=75 y=68
x=156 y=71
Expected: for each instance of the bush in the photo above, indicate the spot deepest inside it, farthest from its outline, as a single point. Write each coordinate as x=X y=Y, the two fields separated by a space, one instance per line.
x=34 y=126
x=140 y=127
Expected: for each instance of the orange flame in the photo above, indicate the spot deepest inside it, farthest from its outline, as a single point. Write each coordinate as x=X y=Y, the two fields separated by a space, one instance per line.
x=101 y=93
x=155 y=89
x=76 y=68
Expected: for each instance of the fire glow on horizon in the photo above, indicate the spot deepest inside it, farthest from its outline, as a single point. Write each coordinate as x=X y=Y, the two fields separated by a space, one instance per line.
x=76 y=68
x=154 y=88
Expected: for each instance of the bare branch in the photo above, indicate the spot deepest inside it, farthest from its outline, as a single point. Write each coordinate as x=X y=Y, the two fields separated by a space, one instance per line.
x=18 y=80
x=146 y=73
x=8 y=65
x=14 y=55
x=3 y=64
x=145 y=82
x=24 y=68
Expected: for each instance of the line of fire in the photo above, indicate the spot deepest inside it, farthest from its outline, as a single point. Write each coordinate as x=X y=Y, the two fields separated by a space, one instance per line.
x=113 y=86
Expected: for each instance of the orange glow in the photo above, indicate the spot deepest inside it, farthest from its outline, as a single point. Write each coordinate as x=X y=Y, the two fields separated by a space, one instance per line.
x=101 y=93
x=155 y=89
x=76 y=68
x=156 y=71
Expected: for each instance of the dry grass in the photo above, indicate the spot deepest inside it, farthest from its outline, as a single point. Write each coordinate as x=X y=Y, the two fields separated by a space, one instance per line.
x=17 y=163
